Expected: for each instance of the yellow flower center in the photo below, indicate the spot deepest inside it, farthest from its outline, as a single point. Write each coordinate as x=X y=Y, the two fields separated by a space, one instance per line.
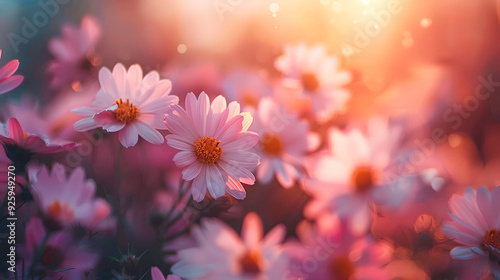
x=492 y=243
x=207 y=150
x=363 y=179
x=126 y=111
x=271 y=144
x=342 y=268
x=310 y=82
x=251 y=262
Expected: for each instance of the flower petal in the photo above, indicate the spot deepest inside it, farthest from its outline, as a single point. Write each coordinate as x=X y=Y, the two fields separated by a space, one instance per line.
x=156 y=274
x=9 y=69
x=106 y=120
x=128 y=136
x=463 y=253
x=148 y=133
x=10 y=83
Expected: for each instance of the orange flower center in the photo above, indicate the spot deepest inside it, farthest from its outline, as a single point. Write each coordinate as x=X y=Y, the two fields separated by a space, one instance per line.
x=271 y=144
x=126 y=111
x=207 y=150
x=363 y=179
x=492 y=243
x=342 y=268
x=59 y=211
x=251 y=262
x=310 y=82
x=249 y=98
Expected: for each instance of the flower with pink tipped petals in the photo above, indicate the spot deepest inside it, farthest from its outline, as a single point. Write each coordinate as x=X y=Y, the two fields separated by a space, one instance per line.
x=315 y=77
x=74 y=53
x=476 y=226
x=67 y=200
x=157 y=275
x=129 y=104
x=282 y=145
x=214 y=144
x=7 y=81
x=222 y=254
x=20 y=147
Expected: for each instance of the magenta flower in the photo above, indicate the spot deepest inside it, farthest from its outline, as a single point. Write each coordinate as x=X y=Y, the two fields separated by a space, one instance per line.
x=74 y=53
x=222 y=254
x=59 y=254
x=20 y=147
x=129 y=104
x=214 y=144
x=157 y=275
x=476 y=226
x=7 y=81
x=65 y=201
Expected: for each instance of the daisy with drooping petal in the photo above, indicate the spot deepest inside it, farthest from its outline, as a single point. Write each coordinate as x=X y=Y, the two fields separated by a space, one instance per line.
x=476 y=226
x=222 y=255
x=129 y=104
x=21 y=147
x=314 y=76
x=157 y=275
x=7 y=81
x=65 y=201
x=350 y=178
x=74 y=53
x=282 y=145
x=214 y=144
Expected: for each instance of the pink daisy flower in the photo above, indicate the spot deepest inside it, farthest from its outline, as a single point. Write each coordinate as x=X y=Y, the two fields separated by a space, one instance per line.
x=64 y=200
x=214 y=144
x=157 y=275
x=337 y=254
x=59 y=254
x=222 y=254
x=7 y=81
x=282 y=145
x=74 y=53
x=476 y=226
x=351 y=178
x=20 y=147
x=314 y=76
x=129 y=104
